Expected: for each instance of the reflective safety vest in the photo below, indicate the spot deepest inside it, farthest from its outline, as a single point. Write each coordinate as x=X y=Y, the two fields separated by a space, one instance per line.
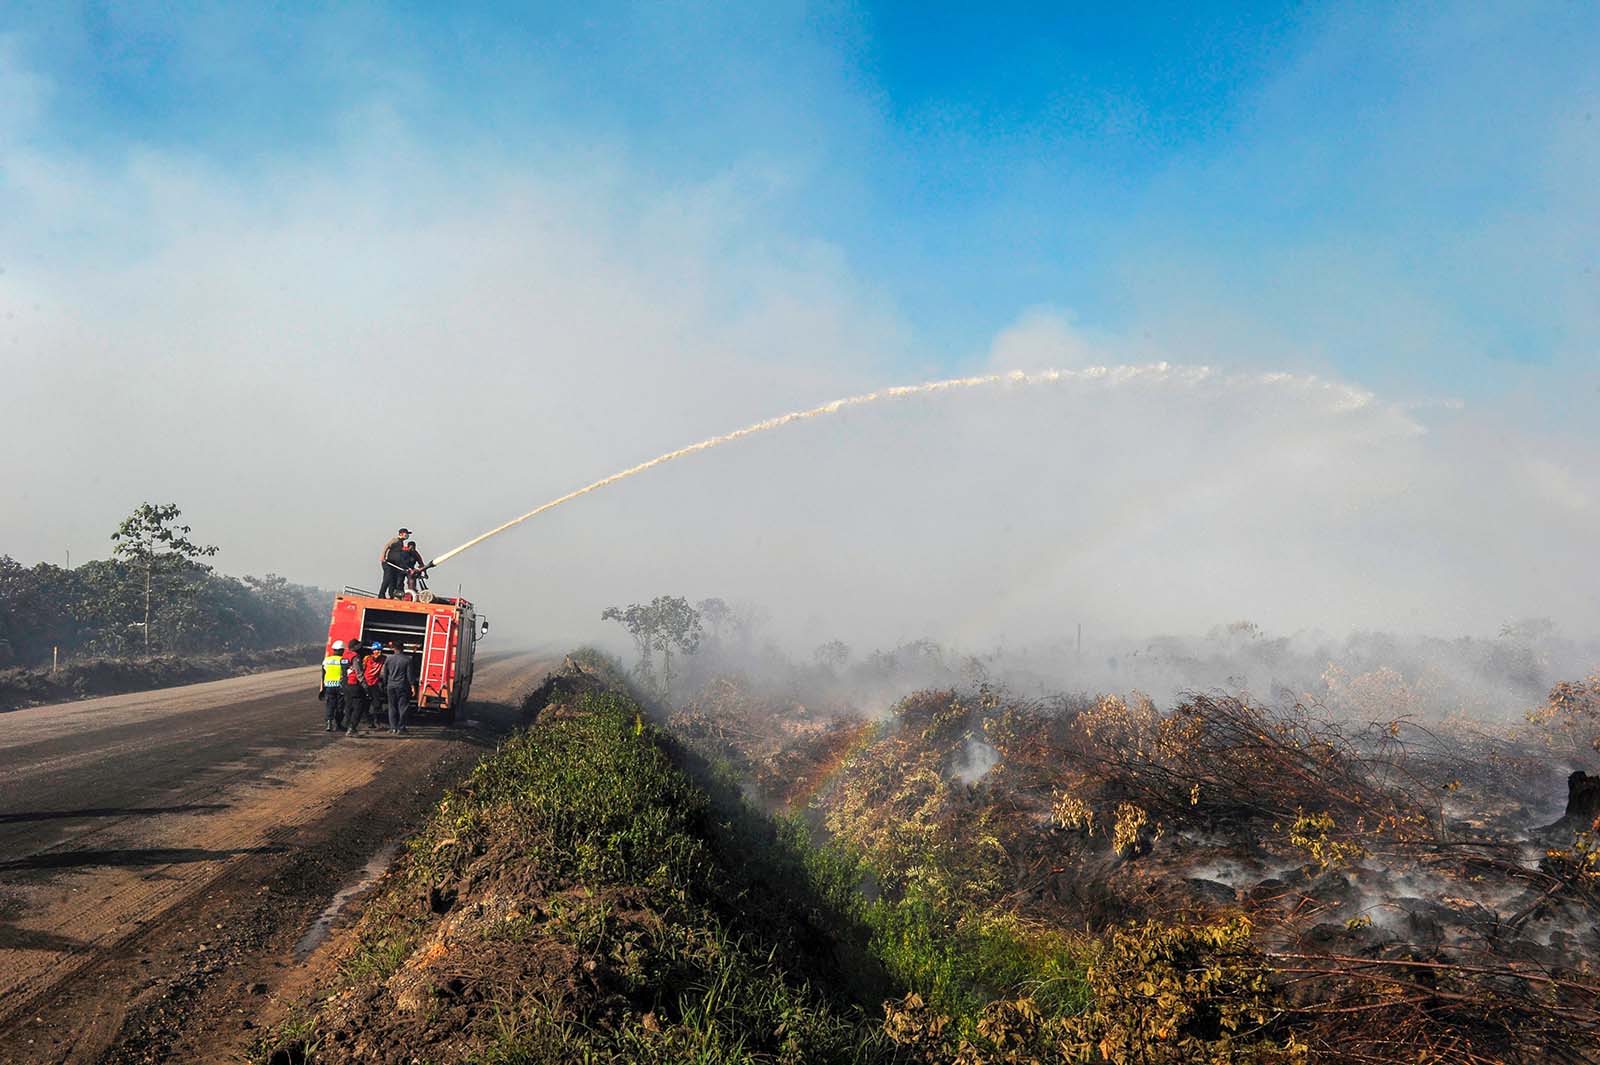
x=332 y=671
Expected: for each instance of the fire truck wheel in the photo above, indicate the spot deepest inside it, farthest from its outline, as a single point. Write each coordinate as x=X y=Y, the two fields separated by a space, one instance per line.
x=450 y=716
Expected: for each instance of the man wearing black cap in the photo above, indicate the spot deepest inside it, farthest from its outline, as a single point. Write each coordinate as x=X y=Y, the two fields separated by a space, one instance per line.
x=393 y=557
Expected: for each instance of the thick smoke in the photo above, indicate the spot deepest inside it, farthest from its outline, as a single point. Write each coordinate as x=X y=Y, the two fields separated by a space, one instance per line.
x=476 y=340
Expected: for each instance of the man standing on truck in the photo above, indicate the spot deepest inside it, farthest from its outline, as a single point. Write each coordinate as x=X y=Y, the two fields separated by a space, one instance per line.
x=392 y=557
x=332 y=681
x=415 y=567
x=399 y=684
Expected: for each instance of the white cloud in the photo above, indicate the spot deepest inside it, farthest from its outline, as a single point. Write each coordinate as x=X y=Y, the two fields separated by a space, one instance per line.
x=1042 y=339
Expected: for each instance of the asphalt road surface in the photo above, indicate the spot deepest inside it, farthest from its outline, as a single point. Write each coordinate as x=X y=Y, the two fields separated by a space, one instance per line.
x=154 y=846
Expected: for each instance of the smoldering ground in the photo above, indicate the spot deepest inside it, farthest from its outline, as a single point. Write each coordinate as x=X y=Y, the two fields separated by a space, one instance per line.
x=1406 y=871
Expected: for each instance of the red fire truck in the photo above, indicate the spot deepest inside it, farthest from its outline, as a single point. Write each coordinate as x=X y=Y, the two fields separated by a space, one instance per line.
x=441 y=632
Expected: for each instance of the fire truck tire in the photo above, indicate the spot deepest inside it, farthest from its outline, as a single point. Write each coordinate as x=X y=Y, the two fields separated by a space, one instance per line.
x=450 y=716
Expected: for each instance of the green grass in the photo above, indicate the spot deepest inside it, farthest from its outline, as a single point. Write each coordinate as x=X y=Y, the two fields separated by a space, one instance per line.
x=716 y=934
x=624 y=843
x=379 y=958
x=293 y=1039
x=957 y=959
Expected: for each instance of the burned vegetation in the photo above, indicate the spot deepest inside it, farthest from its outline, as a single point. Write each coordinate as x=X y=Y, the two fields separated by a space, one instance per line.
x=971 y=877
x=1085 y=879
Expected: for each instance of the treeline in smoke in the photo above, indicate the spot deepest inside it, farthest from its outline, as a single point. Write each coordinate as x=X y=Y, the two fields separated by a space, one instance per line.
x=153 y=595
x=682 y=645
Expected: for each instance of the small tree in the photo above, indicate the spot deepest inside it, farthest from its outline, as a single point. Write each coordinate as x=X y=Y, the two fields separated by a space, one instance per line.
x=151 y=541
x=666 y=625
x=833 y=655
x=1529 y=630
x=745 y=624
x=641 y=625
x=1572 y=712
x=679 y=630
x=717 y=615
x=1236 y=632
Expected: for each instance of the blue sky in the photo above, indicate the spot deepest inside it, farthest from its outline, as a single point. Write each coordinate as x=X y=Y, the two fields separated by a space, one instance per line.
x=598 y=232
x=1307 y=173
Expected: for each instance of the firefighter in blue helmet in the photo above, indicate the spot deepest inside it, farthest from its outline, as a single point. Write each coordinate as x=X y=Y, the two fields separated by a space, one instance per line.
x=372 y=678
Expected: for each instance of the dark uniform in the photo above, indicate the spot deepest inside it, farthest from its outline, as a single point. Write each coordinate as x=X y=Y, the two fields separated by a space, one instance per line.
x=393 y=558
x=355 y=692
x=399 y=682
x=412 y=561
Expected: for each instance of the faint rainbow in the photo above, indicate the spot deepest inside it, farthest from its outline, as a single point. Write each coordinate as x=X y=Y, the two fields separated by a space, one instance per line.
x=861 y=737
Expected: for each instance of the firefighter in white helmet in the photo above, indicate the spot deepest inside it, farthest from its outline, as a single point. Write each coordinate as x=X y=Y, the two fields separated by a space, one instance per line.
x=330 y=689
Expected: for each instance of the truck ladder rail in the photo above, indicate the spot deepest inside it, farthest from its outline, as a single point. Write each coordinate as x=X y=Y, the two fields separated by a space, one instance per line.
x=441 y=626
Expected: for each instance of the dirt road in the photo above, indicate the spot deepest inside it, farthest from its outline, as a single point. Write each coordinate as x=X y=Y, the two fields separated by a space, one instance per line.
x=162 y=853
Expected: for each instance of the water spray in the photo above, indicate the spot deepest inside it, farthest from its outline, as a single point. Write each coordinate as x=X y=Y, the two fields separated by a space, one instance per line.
x=1155 y=372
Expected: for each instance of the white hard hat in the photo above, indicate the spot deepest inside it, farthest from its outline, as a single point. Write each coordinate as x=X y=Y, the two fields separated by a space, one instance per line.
x=338 y=645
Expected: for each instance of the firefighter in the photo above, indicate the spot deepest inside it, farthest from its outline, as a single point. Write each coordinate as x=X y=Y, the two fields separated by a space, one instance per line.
x=393 y=559
x=332 y=681
x=372 y=678
x=415 y=567
x=400 y=686
x=355 y=692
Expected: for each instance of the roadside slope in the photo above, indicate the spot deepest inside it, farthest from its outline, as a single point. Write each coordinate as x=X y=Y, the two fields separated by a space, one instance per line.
x=579 y=897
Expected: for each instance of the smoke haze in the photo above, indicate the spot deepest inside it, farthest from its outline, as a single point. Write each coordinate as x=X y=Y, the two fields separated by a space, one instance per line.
x=307 y=345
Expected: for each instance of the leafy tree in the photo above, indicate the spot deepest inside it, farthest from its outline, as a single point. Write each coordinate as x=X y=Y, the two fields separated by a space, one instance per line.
x=1572 y=712
x=152 y=542
x=1236 y=632
x=35 y=610
x=106 y=600
x=667 y=624
x=833 y=655
x=641 y=625
x=1529 y=630
x=717 y=615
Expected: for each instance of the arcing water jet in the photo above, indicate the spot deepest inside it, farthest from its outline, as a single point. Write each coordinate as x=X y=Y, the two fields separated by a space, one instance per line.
x=1155 y=373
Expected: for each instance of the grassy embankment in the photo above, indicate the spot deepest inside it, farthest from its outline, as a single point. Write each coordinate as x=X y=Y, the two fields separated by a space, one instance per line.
x=595 y=892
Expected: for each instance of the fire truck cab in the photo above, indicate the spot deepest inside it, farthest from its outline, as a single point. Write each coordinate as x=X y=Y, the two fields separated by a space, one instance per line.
x=441 y=633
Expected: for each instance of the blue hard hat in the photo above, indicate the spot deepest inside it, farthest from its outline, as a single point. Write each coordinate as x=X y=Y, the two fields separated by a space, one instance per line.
x=376 y=646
